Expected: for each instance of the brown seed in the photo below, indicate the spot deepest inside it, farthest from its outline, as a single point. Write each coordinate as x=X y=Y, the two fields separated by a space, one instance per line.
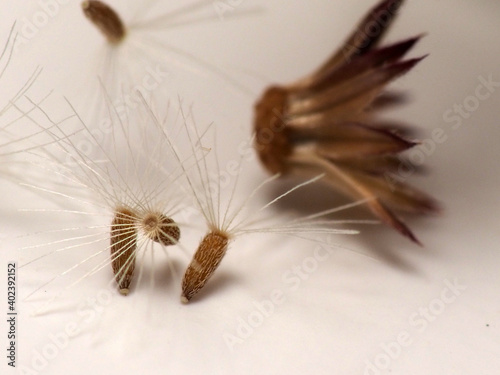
x=106 y=20
x=207 y=258
x=161 y=229
x=123 y=248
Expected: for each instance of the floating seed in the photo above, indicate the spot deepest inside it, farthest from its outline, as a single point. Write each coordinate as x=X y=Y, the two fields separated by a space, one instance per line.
x=105 y=19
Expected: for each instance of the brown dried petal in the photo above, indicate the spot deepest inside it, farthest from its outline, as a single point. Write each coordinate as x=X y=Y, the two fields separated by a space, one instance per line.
x=376 y=165
x=307 y=164
x=398 y=195
x=348 y=131
x=366 y=35
x=376 y=142
x=365 y=85
x=361 y=65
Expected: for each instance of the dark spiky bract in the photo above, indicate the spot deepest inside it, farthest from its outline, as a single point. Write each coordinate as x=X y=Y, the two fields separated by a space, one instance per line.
x=325 y=123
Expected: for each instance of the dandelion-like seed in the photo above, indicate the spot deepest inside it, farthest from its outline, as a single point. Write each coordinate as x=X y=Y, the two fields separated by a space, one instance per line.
x=324 y=123
x=125 y=227
x=126 y=176
x=223 y=212
x=138 y=46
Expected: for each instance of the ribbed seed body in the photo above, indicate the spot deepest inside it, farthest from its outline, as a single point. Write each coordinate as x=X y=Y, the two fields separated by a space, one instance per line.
x=123 y=246
x=105 y=19
x=205 y=261
x=161 y=229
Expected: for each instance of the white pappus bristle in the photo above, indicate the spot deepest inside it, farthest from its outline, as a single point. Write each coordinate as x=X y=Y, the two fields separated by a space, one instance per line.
x=121 y=187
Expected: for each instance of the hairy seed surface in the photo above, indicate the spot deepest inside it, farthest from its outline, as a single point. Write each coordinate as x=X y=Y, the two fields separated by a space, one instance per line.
x=123 y=247
x=161 y=229
x=207 y=258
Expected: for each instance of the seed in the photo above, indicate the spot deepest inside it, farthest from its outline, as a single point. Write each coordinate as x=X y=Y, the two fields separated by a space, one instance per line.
x=123 y=248
x=105 y=19
x=205 y=261
x=161 y=229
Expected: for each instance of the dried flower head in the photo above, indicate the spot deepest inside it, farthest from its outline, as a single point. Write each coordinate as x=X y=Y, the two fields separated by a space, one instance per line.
x=325 y=123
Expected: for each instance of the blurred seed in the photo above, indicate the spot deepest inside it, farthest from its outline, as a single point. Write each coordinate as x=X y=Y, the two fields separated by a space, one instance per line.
x=105 y=19
x=123 y=248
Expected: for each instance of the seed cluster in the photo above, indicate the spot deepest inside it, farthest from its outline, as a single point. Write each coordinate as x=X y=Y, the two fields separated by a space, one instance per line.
x=322 y=126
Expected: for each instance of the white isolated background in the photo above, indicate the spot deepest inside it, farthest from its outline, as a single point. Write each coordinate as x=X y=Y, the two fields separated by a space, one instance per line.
x=389 y=312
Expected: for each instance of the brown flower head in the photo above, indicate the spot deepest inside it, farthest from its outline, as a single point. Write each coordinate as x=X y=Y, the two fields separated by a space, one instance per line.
x=325 y=123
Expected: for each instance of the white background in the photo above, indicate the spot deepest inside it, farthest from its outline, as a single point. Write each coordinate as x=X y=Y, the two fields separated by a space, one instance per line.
x=344 y=316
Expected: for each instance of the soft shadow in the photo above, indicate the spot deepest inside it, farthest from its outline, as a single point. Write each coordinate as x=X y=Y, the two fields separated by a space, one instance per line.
x=164 y=279
x=221 y=280
x=379 y=239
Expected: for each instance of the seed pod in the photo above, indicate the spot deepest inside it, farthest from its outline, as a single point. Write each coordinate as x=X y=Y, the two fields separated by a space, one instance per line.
x=325 y=123
x=204 y=263
x=105 y=19
x=123 y=248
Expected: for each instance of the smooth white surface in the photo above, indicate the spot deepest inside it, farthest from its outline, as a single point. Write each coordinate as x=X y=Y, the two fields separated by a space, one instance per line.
x=343 y=316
